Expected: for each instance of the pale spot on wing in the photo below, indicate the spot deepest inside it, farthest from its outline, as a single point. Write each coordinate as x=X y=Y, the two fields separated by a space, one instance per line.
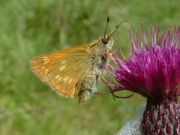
x=65 y=79
x=45 y=58
x=62 y=68
x=58 y=77
x=70 y=80
x=46 y=61
x=46 y=71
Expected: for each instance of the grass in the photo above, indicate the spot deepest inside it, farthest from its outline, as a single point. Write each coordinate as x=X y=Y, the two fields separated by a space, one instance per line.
x=34 y=27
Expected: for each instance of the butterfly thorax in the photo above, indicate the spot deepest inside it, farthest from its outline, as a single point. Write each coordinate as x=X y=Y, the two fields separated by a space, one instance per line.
x=100 y=54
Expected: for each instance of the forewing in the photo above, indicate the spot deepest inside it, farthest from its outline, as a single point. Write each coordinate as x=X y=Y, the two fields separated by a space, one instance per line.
x=63 y=70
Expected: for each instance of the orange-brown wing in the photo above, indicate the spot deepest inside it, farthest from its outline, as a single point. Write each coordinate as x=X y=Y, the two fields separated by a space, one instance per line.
x=63 y=70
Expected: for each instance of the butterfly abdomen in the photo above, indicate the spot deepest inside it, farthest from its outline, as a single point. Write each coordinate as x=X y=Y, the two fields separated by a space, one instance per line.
x=88 y=87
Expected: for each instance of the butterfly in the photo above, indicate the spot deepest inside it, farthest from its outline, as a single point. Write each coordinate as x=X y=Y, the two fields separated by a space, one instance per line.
x=75 y=71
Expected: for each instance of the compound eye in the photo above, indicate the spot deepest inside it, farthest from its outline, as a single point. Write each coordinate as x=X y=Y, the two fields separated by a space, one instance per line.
x=105 y=40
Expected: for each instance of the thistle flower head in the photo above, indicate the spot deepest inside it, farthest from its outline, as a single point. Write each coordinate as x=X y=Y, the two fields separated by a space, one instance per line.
x=153 y=69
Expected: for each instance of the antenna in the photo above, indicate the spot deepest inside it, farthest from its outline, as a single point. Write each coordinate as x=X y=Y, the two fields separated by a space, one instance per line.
x=107 y=22
x=116 y=28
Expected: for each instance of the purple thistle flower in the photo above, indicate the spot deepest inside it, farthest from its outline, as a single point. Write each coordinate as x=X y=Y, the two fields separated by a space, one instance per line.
x=153 y=71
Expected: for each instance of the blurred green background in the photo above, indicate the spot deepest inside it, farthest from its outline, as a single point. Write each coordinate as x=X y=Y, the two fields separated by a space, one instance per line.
x=30 y=28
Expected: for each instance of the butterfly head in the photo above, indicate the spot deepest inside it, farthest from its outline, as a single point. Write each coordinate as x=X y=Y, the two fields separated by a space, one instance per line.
x=106 y=41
